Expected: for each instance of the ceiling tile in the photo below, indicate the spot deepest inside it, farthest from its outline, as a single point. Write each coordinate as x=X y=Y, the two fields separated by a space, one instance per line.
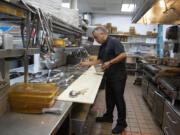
x=104 y=6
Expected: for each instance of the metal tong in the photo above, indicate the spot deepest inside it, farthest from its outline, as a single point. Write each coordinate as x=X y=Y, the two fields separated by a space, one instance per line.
x=74 y=93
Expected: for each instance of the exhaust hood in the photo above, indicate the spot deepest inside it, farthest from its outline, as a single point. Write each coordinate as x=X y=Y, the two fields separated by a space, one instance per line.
x=158 y=12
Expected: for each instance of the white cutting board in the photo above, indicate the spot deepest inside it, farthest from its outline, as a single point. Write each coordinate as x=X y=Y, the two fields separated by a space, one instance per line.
x=89 y=80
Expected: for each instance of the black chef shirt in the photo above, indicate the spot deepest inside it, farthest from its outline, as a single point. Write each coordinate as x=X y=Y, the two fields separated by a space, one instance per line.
x=108 y=51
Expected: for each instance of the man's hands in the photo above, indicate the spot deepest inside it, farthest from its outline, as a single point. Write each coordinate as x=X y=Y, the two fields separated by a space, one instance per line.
x=83 y=64
x=89 y=63
x=106 y=65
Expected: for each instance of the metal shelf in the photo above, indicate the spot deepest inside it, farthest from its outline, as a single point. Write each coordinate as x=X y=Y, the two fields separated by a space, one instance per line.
x=63 y=28
x=121 y=35
x=6 y=53
x=73 y=48
x=14 y=11
x=137 y=43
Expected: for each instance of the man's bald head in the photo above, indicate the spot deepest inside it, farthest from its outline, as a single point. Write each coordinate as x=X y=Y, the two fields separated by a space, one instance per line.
x=100 y=34
x=100 y=30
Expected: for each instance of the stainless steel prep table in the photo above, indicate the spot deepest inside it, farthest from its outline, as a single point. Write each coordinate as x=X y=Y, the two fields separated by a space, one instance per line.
x=35 y=124
x=78 y=118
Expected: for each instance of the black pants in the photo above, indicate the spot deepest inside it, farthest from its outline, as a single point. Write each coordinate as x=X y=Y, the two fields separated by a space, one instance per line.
x=115 y=96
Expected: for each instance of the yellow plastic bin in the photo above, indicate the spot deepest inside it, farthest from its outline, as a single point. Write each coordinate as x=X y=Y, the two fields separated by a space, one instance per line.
x=59 y=42
x=27 y=98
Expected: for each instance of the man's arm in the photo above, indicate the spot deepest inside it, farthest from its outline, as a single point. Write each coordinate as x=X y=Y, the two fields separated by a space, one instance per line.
x=89 y=63
x=118 y=51
x=117 y=59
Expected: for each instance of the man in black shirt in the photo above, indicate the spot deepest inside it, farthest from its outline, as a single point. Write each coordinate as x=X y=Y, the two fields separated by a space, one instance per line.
x=113 y=57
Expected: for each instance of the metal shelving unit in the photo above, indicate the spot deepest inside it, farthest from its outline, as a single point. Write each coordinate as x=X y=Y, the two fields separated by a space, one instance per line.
x=147 y=36
x=130 y=37
x=6 y=53
x=137 y=43
x=62 y=28
x=14 y=12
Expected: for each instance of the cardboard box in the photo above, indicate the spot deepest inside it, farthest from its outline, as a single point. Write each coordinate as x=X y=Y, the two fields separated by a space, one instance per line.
x=132 y=31
x=149 y=33
x=114 y=30
x=109 y=25
x=120 y=32
x=126 y=33
x=98 y=25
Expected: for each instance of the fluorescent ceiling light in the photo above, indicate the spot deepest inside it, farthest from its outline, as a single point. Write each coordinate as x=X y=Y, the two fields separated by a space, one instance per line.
x=66 y=5
x=127 y=7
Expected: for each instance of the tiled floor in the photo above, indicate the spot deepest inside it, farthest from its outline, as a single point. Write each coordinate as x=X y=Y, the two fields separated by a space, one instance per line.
x=139 y=117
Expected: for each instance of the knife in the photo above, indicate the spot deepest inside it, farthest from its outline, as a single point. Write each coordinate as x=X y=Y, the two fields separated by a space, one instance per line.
x=57 y=111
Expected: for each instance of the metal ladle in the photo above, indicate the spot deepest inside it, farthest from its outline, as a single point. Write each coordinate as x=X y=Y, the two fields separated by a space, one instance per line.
x=74 y=93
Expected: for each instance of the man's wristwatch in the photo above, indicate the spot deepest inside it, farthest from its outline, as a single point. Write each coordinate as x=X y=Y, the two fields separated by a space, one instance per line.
x=110 y=62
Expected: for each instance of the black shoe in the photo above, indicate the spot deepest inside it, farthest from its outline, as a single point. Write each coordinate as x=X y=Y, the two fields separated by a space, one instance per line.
x=119 y=129
x=104 y=119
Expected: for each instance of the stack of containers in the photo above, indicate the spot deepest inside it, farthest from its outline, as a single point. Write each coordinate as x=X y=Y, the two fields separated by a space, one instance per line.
x=32 y=97
x=114 y=30
x=109 y=27
x=132 y=31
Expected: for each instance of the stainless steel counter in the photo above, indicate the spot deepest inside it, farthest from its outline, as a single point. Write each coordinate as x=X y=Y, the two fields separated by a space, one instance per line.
x=61 y=74
x=34 y=124
x=5 y=53
x=39 y=124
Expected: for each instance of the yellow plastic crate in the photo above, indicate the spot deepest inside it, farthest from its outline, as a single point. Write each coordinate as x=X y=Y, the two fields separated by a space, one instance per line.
x=20 y=105
x=32 y=96
x=33 y=89
x=59 y=42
